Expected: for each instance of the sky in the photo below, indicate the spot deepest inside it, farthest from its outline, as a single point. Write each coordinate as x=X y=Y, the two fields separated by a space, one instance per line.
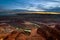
x=33 y=5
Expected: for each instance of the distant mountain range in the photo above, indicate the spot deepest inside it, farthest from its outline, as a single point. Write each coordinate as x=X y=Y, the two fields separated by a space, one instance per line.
x=56 y=9
x=16 y=10
x=24 y=10
x=8 y=12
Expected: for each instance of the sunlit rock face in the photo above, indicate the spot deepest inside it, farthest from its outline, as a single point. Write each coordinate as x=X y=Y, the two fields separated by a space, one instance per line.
x=6 y=28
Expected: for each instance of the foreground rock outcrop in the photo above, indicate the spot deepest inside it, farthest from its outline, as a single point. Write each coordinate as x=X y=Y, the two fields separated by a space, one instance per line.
x=44 y=32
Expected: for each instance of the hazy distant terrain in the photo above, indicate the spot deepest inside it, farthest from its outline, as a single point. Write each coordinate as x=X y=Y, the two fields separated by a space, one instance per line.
x=32 y=16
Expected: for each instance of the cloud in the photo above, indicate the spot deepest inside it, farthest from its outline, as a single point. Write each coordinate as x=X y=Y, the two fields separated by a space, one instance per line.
x=45 y=5
x=33 y=5
x=50 y=5
x=57 y=0
x=35 y=9
x=40 y=5
x=31 y=8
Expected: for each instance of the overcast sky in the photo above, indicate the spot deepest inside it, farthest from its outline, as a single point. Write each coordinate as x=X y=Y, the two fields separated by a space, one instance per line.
x=34 y=5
